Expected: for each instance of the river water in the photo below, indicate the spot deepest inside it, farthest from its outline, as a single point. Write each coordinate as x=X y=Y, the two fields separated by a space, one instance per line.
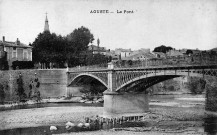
x=184 y=102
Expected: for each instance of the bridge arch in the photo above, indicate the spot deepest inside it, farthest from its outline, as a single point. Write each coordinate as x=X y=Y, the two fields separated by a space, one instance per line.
x=89 y=75
x=166 y=76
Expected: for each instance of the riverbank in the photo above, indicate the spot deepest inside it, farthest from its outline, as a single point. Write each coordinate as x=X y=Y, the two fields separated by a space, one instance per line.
x=182 y=97
x=45 y=116
x=158 y=120
x=163 y=118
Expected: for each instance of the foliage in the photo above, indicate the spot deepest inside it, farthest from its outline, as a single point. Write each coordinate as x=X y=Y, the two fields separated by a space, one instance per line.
x=171 y=88
x=197 y=86
x=20 y=90
x=162 y=48
x=50 y=48
x=95 y=59
x=189 y=52
x=77 y=46
x=2 y=94
x=93 y=87
x=4 y=63
x=34 y=93
x=22 y=64
x=211 y=100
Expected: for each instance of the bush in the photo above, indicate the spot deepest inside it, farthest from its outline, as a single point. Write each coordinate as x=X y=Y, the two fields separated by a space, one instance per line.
x=171 y=88
x=20 y=90
x=197 y=86
x=3 y=64
x=34 y=93
x=22 y=65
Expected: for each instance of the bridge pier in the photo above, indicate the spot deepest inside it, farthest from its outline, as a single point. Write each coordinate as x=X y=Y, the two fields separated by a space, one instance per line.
x=127 y=104
x=211 y=98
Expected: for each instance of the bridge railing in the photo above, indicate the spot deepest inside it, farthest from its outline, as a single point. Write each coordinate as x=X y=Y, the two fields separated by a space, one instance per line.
x=164 y=63
x=86 y=68
x=148 y=64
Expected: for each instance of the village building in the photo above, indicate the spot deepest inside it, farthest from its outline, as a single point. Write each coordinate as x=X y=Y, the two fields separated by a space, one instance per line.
x=15 y=51
x=97 y=50
x=123 y=52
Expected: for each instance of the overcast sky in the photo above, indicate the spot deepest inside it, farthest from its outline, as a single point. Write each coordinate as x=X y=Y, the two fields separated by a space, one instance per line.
x=177 y=23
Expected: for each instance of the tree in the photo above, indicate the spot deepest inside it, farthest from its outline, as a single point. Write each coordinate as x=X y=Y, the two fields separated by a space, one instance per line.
x=48 y=48
x=96 y=59
x=77 y=46
x=162 y=48
x=189 y=52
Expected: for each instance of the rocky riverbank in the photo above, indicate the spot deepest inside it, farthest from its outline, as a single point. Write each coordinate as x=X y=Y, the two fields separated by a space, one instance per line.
x=162 y=119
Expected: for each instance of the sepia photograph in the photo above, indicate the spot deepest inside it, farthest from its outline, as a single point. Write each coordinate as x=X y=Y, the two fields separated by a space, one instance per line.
x=115 y=67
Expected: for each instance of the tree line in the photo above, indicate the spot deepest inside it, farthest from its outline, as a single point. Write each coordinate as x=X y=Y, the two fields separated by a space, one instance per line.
x=71 y=49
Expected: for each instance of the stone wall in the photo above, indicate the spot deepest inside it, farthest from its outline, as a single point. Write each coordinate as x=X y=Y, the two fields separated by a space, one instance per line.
x=52 y=82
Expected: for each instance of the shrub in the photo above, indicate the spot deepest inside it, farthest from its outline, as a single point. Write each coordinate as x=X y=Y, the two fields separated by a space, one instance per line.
x=22 y=64
x=20 y=90
x=34 y=93
x=197 y=86
x=171 y=88
x=3 y=64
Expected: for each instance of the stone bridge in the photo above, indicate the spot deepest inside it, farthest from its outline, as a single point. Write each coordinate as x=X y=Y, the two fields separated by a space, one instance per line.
x=126 y=87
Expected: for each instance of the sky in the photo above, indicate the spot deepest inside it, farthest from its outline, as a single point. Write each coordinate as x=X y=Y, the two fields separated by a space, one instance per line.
x=177 y=23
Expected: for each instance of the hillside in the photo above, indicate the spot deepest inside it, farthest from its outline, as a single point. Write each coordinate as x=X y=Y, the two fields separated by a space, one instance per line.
x=214 y=49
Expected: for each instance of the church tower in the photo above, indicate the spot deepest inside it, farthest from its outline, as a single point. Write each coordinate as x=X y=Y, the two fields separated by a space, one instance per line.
x=46 y=26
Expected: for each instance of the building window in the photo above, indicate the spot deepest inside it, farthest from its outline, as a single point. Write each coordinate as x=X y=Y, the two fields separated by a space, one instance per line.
x=25 y=55
x=30 y=56
x=14 y=52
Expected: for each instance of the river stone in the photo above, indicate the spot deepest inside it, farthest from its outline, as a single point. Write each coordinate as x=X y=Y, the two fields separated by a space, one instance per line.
x=52 y=128
x=80 y=125
x=68 y=127
x=87 y=125
x=89 y=102
x=70 y=124
x=82 y=101
x=100 y=100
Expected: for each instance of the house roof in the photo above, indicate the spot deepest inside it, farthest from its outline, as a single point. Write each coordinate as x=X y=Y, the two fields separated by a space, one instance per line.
x=14 y=44
x=123 y=50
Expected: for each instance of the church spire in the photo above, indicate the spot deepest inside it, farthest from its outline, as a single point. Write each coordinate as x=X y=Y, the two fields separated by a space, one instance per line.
x=46 y=26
